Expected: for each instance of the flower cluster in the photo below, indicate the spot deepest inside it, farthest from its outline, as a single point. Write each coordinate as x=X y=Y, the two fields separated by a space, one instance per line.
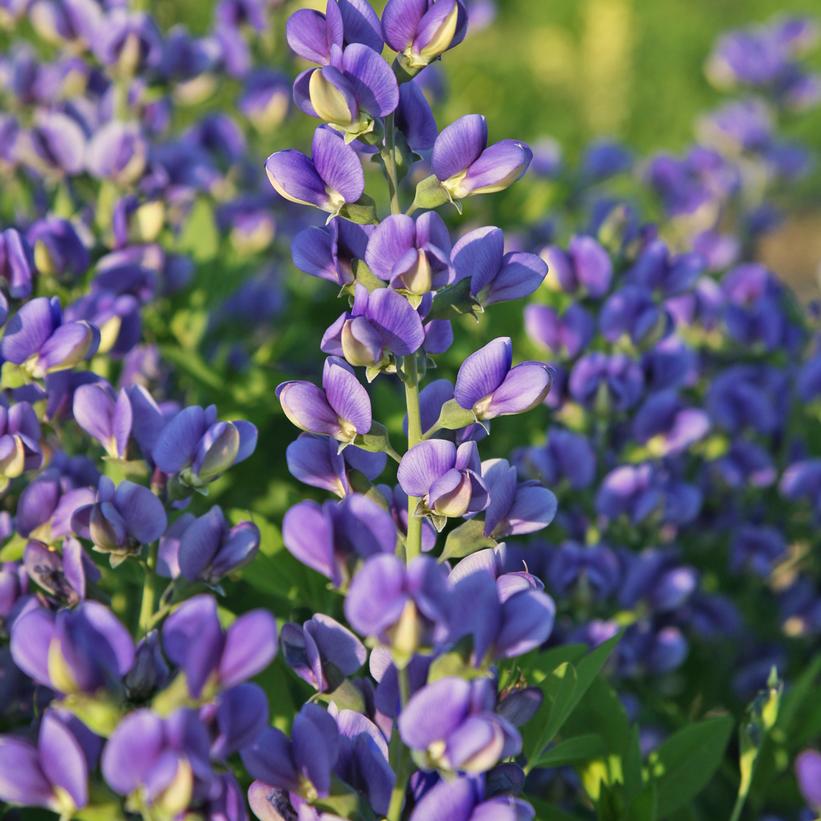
x=467 y=616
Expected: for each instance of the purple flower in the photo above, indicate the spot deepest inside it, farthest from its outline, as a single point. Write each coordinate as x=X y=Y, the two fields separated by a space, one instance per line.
x=235 y=719
x=198 y=448
x=37 y=339
x=412 y=255
x=349 y=93
x=265 y=99
x=128 y=42
x=64 y=574
x=316 y=37
x=461 y=800
x=567 y=456
x=808 y=774
x=420 y=31
x=117 y=152
x=54 y=773
x=445 y=478
x=16 y=264
x=316 y=461
x=415 y=119
x=206 y=548
x=631 y=311
x=657 y=579
x=75 y=651
x=330 y=179
x=55 y=145
x=515 y=508
x=328 y=537
x=615 y=379
x=20 y=441
x=380 y=323
x=568 y=333
x=494 y=275
x=758 y=548
x=303 y=763
x=150 y=671
x=739 y=398
x=432 y=399
x=157 y=758
x=586 y=266
x=454 y=722
x=212 y=658
x=465 y=166
x=46 y=506
x=401 y=606
x=330 y=252
x=505 y=616
x=121 y=520
x=105 y=416
x=363 y=759
x=58 y=249
x=666 y=426
x=322 y=652
x=802 y=480
x=13 y=588
x=341 y=408
x=593 y=568
x=490 y=387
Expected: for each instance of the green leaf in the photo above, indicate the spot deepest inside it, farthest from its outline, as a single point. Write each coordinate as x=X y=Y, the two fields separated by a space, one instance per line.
x=572 y=751
x=687 y=761
x=558 y=688
x=200 y=235
x=466 y=539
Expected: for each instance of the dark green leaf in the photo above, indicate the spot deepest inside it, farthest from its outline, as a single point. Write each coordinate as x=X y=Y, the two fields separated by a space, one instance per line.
x=572 y=751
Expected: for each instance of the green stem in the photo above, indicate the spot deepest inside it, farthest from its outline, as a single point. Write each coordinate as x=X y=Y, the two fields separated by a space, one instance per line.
x=403 y=768
x=389 y=158
x=413 y=542
x=149 y=592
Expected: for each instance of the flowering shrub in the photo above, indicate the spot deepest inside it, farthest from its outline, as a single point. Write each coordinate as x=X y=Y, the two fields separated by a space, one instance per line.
x=607 y=607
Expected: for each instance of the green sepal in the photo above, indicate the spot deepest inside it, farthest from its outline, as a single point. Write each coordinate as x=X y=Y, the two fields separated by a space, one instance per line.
x=346 y=697
x=456 y=299
x=365 y=276
x=452 y=417
x=362 y=212
x=376 y=440
x=466 y=539
x=100 y=713
x=13 y=376
x=430 y=194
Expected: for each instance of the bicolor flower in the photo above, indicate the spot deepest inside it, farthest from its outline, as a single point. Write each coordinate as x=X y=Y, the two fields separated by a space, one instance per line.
x=462 y=798
x=329 y=252
x=412 y=255
x=46 y=507
x=401 y=606
x=329 y=537
x=420 y=31
x=568 y=333
x=118 y=152
x=206 y=548
x=329 y=179
x=341 y=408
x=54 y=773
x=322 y=652
x=38 y=340
x=105 y=416
x=667 y=426
x=632 y=312
x=446 y=479
x=355 y=89
x=128 y=42
x=316 y=461
x=515 y=508
x=20 y=441
x=121 y=520
x=454 y=724
x=55 y=145
x=432 y=399
x=83 y=650
x=494 y=275
x=212 y=658
x=58 y=249
x=303 y=763
x=156 y=760
x=64 y=574
x=490 y=387
x=196 y=447
x=465 y=165
x=380 y=324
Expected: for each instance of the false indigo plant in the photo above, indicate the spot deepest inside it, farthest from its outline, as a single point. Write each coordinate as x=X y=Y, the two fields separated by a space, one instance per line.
x=470 y=617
